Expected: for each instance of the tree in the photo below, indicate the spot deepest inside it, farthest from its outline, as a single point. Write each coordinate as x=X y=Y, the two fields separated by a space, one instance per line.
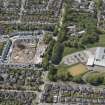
x=50 y=48
x=46 y=62
x=78 y=79
x=62 y=34
x=52 y=73
x=64 y=75
x=57 y=53
x=95 y=79
x=98 y=4
x=47 y=38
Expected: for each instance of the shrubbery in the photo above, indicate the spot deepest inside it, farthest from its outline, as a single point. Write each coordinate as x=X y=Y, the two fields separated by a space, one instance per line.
x=96 y=78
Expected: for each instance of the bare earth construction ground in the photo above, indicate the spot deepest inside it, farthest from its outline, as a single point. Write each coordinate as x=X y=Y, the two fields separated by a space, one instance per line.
x=23 y=55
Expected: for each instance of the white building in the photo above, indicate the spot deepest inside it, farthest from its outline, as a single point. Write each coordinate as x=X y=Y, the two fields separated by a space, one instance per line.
x=98 y=59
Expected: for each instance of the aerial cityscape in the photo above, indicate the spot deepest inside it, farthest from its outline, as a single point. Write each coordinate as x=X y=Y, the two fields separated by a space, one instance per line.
x=52 y=52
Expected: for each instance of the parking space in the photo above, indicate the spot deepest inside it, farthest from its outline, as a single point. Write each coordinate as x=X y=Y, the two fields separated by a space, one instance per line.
x=79 y=57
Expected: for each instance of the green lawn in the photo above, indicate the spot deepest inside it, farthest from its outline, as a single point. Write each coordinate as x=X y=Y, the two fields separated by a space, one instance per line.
x=68 y=51
x=102 y=40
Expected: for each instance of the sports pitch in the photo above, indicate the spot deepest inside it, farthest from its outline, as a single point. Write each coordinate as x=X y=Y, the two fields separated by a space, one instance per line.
x=77 y=69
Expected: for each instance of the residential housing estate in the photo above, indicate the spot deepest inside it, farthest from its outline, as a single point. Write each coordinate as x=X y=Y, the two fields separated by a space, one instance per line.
x=52 y=52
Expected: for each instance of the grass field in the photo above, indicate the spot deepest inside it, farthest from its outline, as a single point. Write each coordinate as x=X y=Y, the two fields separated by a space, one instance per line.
x=102 y=40
x=68 y=51
x=74 y=70
x=77 y=69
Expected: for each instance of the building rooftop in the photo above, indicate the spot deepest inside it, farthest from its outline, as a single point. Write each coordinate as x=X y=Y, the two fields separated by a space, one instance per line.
x=100 y=56
x=90 y=61
x=98 y=59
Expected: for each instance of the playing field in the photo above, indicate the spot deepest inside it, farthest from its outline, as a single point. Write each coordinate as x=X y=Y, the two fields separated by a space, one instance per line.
x=77 y=69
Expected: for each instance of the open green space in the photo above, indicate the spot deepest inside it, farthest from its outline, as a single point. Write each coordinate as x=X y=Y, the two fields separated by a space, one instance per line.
x=79 y=73
x=70 y=43
x=95 y=78
x=100 y=43
x=77 y=69
x=102 y=40
x=73 y=70
x=71 y=73
x=68 y=50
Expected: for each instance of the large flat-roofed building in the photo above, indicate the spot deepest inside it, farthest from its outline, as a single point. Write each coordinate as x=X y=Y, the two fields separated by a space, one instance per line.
x=98 y=59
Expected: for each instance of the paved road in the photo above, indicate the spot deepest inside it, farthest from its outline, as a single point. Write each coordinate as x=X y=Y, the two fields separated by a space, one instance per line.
x=21 y=10
x=35 y=22
x=4 y=90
